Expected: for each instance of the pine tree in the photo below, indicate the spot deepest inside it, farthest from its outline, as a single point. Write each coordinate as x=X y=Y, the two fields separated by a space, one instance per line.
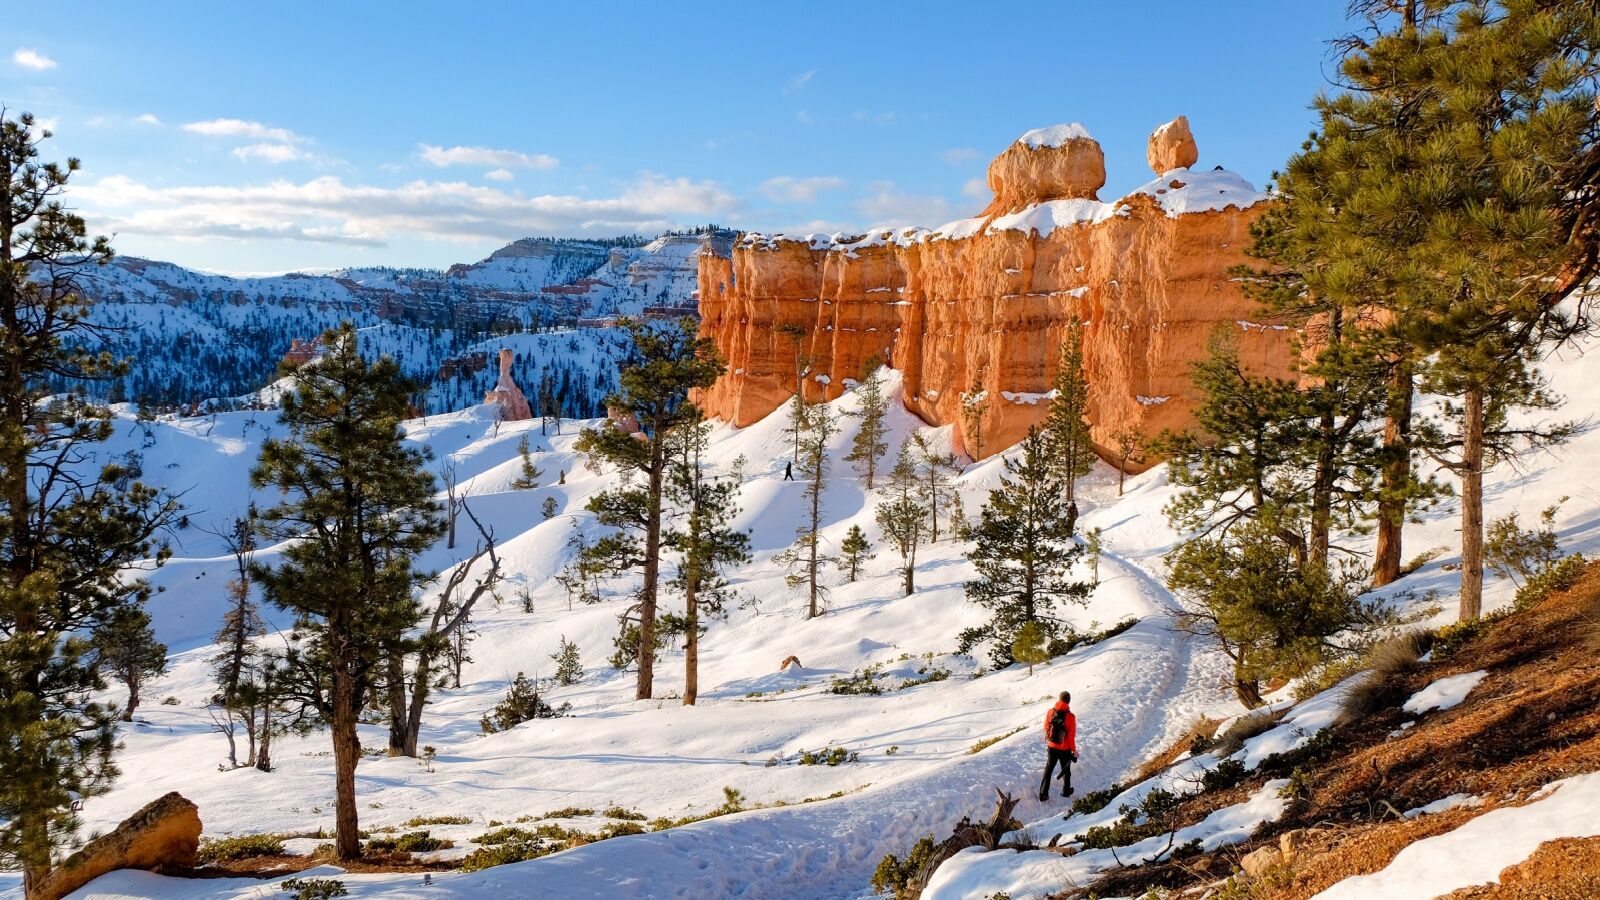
x=937 y=491
x=854 y=550
x=359 y=507
x=902 y=516
x=1068 y=418
x=706 y=540
x=1092 y=546
x=128 y=649
x=547 y=509
x=569 y=667
x=871 y=439
x=797 y=426
x=670 y=361
x=1031 y=646
x=73 y=532
x=529 y=479
x=1130 y=447
x=1024 y=550
x=807 y=553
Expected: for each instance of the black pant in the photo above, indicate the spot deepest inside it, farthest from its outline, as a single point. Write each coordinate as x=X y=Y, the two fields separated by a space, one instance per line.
x=1064 y=757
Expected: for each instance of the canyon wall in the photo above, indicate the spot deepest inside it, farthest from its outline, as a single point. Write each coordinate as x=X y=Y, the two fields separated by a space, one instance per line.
x=974 y=313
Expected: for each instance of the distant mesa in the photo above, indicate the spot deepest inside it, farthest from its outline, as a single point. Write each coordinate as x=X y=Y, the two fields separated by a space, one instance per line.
x=513 y=406
x=974 y=313
x=302 y=351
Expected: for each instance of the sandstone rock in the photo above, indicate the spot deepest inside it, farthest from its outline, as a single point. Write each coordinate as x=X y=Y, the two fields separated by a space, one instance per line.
x=1261 y=860
x=1172 y=147
x=163 y=835
x=513 y=405
x=1061 y=162
x=795 y=660
x=980 y=306
x=1289 y=844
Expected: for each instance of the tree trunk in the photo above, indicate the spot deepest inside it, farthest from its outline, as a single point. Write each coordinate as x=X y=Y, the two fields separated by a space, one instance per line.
x=419 y=698
x=1396 y=471
x=398 y=720
x=691 y=645
x=652 y=573
x=346 y=753
x=1247 y=689
x=133 y=699
x=1472 y=426
x=264 y=752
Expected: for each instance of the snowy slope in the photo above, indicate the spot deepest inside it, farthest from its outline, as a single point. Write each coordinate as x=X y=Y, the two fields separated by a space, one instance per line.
x=1133 y=693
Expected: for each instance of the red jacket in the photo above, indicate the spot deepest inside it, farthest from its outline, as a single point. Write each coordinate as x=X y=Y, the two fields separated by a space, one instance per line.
x=1071 y=742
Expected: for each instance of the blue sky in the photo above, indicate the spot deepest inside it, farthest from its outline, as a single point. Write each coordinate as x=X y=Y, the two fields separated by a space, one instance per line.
x=265 y=137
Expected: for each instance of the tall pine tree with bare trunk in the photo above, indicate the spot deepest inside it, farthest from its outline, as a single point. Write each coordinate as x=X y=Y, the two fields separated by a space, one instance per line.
x=706 y=541
x=357 y=507
x=669 y=361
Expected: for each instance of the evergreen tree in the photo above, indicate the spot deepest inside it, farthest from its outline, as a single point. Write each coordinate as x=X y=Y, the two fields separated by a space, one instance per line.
x=902 y=516
x=1273 y=616
x=1130 y=446
x=1068 y=418
x=854 y=550
x=547 y=509
x=128 y=649
x=871 y=439
x=797 y=404
x=357 y=504
x=1031 y=646
x=73 y=530
x=669 y=362
x=1024 y=550
x=569 y=667
x=706 y=541
x=1092 y=546
x=807 y=553
x=937 y=469
x=531 y=473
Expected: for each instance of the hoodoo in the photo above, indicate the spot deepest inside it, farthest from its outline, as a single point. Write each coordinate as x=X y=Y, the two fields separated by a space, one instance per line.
x=506 y=395
x=974 y=312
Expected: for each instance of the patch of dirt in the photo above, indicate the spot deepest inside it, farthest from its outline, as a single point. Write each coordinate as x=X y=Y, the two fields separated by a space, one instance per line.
x=1568 y=869
x=1534 y=718
x=266 y=867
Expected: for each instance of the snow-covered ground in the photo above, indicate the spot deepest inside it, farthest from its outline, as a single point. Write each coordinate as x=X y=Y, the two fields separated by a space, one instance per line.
x=1133 y=693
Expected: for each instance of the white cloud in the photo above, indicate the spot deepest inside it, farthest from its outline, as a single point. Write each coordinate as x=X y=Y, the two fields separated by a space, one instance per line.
x=788 y=189
x=885 y=206
x=977 y=189
x=272 y=153
x=798 y=83
x=327 y=210
x=957 y=155
x=442 y=157
x=29 y=58
x=499 y=175
x=148 y=119
x=243 y=129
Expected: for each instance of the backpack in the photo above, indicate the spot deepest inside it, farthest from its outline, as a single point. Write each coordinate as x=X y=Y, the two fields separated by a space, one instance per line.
x=1057 y=731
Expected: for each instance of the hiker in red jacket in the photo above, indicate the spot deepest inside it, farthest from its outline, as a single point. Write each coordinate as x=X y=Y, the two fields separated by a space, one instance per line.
x=1061 y=740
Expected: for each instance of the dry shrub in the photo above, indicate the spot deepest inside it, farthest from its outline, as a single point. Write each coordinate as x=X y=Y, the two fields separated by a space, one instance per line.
x=1195 y=739
x=1386 y=664
x=1243 y=729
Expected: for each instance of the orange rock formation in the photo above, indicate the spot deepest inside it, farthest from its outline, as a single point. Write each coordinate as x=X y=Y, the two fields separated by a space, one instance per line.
x=165 y=834
x=513 y=405
x=974 y=313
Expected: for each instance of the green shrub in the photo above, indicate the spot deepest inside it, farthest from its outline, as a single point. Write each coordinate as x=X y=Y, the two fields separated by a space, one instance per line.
x=411 y=842
x=314 y=888
x=894 y=875
x=1450 y=638
x=501 y=854
x=424 y=821
x=1120 y=833
x=1562 y=574
x=926 y=675
x=1243 y=729
x=566 y=812
x=1156 y=809
x=1228 y=773
x=1094 y=801
x=828 y=756
x=617 y=829
x=522 y=704
x=861 y=682
x=617 y=812
x=245 y=846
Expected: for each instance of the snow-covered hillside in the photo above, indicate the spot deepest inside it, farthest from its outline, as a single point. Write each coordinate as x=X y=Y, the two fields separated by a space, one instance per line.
x=915 y=773
x=198 y=335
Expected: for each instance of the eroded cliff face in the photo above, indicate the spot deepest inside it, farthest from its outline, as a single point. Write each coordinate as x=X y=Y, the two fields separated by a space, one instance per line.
x=974 y=313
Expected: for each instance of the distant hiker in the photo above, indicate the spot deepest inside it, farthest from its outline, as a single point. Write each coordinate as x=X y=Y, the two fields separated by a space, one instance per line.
x=1061 y=741
x=788 y=471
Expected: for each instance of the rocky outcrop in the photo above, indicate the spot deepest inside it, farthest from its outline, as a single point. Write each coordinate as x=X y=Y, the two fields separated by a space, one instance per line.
x=164 y=835
x=506 y=395
x=1172 y=146
x=974 y=313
